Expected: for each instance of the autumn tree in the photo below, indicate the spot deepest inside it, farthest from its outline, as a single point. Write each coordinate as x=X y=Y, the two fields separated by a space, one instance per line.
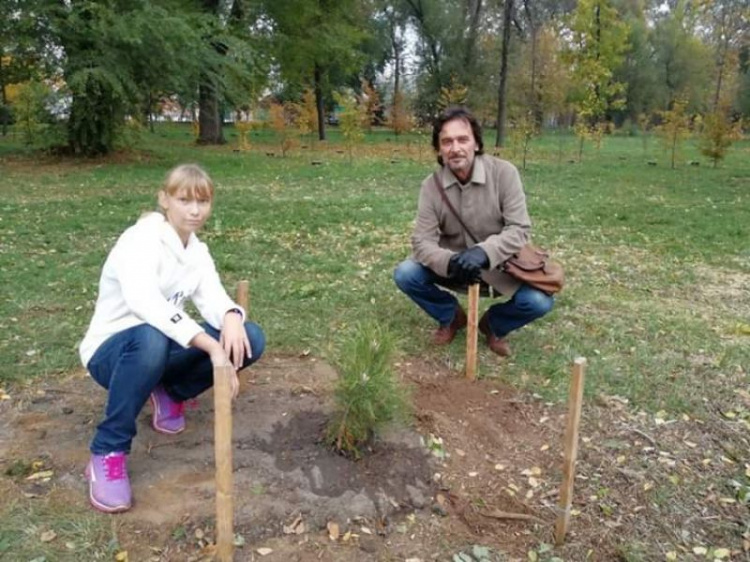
x=681 y=61
x=317 y=44
x=675 y=128
x=279 y=119
x=352 y=117
x=371 y=103
x=717 y=136
x=400 y=118
x=598 y=43
x=452 y=94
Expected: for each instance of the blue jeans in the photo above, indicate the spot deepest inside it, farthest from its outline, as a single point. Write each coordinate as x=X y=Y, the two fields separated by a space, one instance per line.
x=132 y=362
x=420 y=284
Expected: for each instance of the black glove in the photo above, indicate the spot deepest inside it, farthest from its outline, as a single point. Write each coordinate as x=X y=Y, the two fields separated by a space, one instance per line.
x=474 y=258
x=456 y=272
x=466 y=267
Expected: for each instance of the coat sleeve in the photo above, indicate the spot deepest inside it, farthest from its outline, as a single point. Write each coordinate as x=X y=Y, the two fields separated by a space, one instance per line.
x=136 y=266
x=516 y=223
x=210 y=298
x=426 y=237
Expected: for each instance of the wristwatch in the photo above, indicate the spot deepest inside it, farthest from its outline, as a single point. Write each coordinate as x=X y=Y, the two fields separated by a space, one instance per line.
x=235 y=310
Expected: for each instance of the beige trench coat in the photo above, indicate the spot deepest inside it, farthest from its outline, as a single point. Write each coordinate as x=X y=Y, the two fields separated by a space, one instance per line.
x=492 y=205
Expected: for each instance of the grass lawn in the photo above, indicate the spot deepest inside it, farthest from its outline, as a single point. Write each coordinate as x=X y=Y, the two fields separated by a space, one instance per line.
x=657 y=259
x=657 y=262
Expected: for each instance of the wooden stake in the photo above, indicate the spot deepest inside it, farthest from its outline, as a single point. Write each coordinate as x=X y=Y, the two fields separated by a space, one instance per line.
x=471 y=332
x=243 y=290
x=223 y=457
x=223 y=450
x=575 y=399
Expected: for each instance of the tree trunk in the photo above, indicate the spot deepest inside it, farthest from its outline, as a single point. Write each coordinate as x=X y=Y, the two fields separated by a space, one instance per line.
x=318 y=77
x=4 y=111
x=502 y=104
x=475 y=9
x=209 y=117
x=536 y=102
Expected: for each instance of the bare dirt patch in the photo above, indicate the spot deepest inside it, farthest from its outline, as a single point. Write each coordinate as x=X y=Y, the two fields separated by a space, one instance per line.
x=646 y=486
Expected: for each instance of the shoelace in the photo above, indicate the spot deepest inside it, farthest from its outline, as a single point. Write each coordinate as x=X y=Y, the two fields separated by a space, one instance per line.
x=114 y=467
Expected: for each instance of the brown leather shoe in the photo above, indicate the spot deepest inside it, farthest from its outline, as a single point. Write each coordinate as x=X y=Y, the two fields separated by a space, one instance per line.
x=497 y=345
x=445 y=334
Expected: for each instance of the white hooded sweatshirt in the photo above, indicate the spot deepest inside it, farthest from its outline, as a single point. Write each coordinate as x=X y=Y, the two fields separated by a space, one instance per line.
x=146 y=279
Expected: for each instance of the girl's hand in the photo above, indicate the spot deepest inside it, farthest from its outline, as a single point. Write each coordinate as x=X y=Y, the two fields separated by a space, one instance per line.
x=219 y=358
x=234 y=339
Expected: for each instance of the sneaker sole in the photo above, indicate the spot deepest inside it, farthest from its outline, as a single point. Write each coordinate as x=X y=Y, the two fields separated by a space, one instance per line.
x=100 y=506
x=156 y=427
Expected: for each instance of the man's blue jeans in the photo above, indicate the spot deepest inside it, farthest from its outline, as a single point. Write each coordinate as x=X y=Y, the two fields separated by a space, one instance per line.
x=132 y=362
x=421 y=285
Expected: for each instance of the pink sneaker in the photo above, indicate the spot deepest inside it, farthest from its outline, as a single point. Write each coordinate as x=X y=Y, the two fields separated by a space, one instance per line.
x=168 y=414
x=109 y=485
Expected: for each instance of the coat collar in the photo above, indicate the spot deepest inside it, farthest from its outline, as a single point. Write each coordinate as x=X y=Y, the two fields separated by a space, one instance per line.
x=478 y=174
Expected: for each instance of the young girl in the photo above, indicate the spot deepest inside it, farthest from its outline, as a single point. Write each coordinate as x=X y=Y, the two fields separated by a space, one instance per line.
x=141 y=344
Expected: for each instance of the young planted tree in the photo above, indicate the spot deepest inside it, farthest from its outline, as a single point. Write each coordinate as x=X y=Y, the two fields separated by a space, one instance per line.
x=368 y=394
x=352 y=116
x=675 y=128
x=400 y=119
x=523 y=130
x=278 y=117
x=307 y=113
x=31 y=114
x=644 y=126
x=372 y=105
x=452 y=94
x=717 y=136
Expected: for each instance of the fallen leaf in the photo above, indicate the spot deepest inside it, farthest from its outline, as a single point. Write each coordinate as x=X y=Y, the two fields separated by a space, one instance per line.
x=199 y=534
x=721 y=553
x=263 y=551
x=502 y=467
x=239 y=540
x=346 y=537
x=48 y=536
x=333 y=530
x=122 y=556
x=700 y=550
x=671 y=555
x=296 y=527
x=40 y=475
x=365 y=530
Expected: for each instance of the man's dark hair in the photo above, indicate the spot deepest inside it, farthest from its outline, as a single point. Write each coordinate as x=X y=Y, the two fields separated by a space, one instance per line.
x=449 y=114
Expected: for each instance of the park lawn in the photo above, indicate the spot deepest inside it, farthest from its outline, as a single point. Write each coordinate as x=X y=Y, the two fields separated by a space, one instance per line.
x=657 y=262
x=656 y=258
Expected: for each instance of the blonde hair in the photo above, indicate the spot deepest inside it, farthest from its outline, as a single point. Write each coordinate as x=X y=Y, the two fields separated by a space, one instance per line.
x=192 y=178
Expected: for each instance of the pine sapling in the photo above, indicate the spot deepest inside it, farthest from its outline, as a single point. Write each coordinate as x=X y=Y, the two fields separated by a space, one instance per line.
x=368 y=395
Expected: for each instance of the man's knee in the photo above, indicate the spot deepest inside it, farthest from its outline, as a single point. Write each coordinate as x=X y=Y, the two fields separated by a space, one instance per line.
x=535 y=303
x=407 y=274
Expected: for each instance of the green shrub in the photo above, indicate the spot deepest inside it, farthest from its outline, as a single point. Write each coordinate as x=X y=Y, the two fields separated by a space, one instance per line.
x=368 y=395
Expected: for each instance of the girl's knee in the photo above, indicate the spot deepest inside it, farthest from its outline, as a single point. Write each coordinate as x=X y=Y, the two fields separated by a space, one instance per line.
x=257 y=339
